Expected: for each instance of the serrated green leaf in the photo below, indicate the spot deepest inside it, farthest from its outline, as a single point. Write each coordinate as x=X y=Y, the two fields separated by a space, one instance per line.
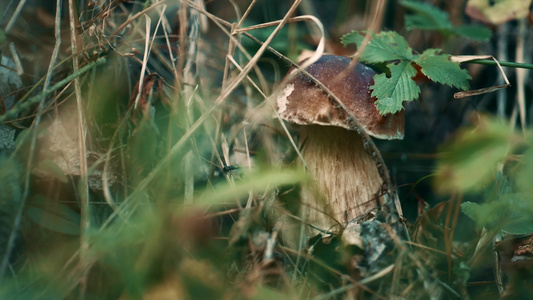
x=354 y=37
x=440 y=69
x=53 y=216
x=511 y=213
x=426 y=16
x=392 y=91
x=498 y=188
x=518 y=212
x=474 y=32
x=503 y=209
x=383 y=47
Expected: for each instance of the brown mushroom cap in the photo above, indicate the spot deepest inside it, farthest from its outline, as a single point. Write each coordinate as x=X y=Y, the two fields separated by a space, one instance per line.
x=303 y=102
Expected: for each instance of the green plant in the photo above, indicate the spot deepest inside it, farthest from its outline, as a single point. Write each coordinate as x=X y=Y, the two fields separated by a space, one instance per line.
x=429 y=17
x=397 y=85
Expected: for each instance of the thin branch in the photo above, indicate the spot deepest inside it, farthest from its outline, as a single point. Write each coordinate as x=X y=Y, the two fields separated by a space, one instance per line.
x=82 y=133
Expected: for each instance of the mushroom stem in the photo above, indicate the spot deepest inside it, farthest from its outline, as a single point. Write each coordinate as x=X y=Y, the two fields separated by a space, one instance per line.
x=346 y=178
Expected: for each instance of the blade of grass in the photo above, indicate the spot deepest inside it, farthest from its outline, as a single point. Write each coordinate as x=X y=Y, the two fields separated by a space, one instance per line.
x=83 y=185
x=14 y=16
x=18 y=218
x=148 y=22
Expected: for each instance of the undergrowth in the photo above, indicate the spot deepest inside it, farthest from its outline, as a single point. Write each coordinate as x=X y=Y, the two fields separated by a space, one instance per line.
x=149 y=162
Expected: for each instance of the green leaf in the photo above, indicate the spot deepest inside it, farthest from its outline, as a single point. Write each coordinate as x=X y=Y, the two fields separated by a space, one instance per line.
x=498 y=188
x=440 y=69
x=383 y=47
x=510 y=212
x=426 y=16
x=53 y=216
x=471 y=159
x=354 y=37
x=398 y=85
x=256 y=181
x=471 y=209
x=50 y=168
x=474 y=32
x=392 y=91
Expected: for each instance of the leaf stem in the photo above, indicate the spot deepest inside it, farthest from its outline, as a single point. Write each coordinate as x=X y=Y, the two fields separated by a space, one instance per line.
x=502 y=63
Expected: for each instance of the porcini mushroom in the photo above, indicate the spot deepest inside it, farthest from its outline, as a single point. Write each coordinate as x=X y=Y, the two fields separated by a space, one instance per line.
x=345 y=174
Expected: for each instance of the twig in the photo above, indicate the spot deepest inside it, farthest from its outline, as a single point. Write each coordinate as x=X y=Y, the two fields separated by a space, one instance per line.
x=467 y=58
x=135 y=16
x=82 y=133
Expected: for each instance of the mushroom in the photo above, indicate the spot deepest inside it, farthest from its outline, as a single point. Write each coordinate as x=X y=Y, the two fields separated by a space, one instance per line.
x=344 y=174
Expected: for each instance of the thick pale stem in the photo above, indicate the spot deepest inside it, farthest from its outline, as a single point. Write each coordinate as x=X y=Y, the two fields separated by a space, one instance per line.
x=346 y=179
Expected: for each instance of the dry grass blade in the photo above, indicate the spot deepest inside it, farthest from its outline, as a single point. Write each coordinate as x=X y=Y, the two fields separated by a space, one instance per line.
x=377 y=19
x=465 y=58
x=82 y=135
x=134 y=17
x=15 y=15
x=145 y=182
x=16 y=58
x=384 y=272
x=147 y=47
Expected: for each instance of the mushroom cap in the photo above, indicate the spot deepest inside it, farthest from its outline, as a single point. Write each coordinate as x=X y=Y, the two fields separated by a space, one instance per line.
x=303 y=102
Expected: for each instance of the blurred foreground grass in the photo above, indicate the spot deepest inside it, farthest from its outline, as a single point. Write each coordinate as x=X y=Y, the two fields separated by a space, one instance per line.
x=186 y=186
